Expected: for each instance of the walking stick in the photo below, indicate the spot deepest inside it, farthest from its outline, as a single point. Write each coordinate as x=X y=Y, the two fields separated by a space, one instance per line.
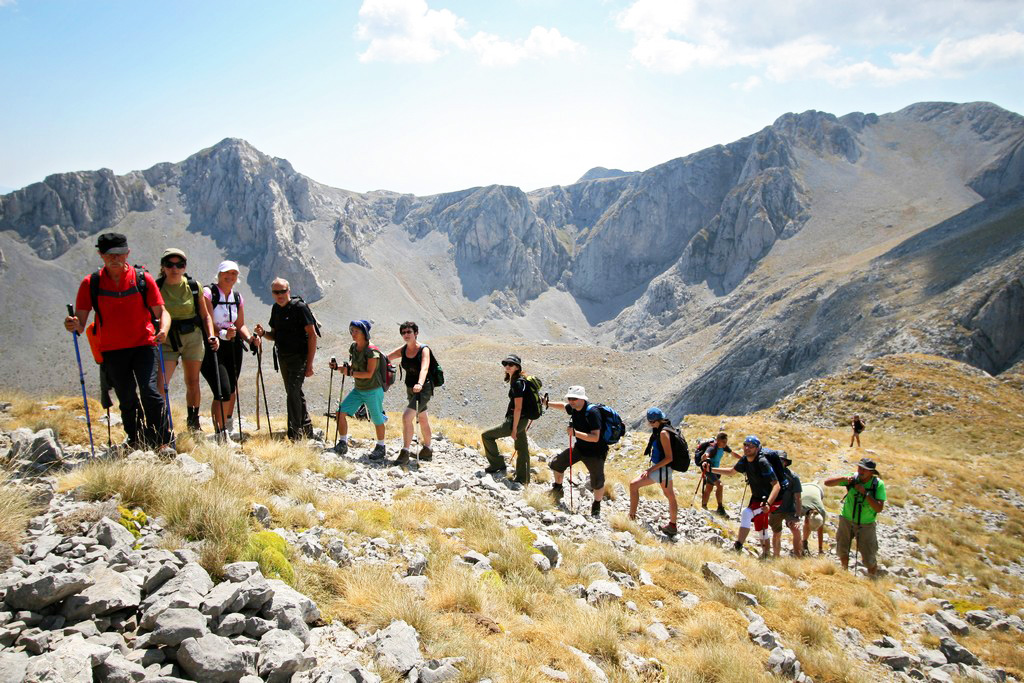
x=81 y=379
x=110 y=442
x=256 y=352
x=220 y=402
x=327 y=410
x=238 y=394
x=167 y=398
x=739 y=511
x=259 y=376
x=694 y=496
x=337 y=417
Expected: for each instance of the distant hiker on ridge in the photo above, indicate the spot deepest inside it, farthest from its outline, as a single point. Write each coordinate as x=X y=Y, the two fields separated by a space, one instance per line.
x=191 y=323
x=363 y=367
x=858 y=426
x=127 y=302
x=523 y=406
x=293 y=331
x=222 y=365
x=585 y=429
x=865 y=498
x=419 y=389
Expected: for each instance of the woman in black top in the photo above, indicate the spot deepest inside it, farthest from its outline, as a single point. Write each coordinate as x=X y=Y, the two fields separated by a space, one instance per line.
x=515 y=424
x=858 y=427
x=418 y=389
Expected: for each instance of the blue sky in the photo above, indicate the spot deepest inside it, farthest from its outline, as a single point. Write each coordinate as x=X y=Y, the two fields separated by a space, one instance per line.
x=427 y=96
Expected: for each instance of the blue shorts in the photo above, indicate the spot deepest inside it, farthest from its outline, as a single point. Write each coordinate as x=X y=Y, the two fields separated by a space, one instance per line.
x=373 y=399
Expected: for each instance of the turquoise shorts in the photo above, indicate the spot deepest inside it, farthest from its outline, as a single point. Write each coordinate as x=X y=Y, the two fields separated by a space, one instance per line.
x=373 y=399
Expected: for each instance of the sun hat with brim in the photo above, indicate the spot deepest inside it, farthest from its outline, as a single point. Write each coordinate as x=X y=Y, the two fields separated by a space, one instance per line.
x=112 y=243
x=784 y=457
x=225 y=266
x=173 y=252
x=513 y=358
x=867 y=464
x=576 y=392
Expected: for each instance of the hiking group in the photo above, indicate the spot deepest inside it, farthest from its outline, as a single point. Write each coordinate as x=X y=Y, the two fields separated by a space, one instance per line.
x=145 y=327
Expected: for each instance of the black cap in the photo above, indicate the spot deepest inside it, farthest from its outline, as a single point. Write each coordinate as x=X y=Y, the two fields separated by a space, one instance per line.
x=513 y=358
x=112 y=243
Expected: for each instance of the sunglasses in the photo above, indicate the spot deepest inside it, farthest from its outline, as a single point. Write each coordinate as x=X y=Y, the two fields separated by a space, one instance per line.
x=174 y=264
x=279 y=291
x=508 y=365
x=405 y=331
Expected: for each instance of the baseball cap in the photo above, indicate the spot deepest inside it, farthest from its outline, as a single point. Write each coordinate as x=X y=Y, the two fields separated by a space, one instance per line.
x=513 y=358
x=112 y=243
x=576 y=392
x=655 y=414
x=225 y=266
x=753 y=440
x=173 y=252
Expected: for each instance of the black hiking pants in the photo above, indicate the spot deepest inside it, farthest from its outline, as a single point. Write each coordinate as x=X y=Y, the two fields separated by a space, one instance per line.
x=293 y=372
x=133 y=374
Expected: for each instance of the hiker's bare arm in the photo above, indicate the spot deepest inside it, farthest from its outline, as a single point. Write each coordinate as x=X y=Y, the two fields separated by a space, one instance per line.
x=371 y=367
x=76 y=322
x=774 y=495
x=206 y=315
x=310 y=348
x=243 y=331
x=876 y=505
x=424 y=366
x=590 y=437
x=837 y=481
x=798 y=504
x=161 y=314
x=396 y=353
x=559 y=405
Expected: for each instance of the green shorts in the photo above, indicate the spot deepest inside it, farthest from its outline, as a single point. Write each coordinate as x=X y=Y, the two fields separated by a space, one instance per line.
x=373 y=399
x=190 y=348
x=867 y=540
x=418 y=402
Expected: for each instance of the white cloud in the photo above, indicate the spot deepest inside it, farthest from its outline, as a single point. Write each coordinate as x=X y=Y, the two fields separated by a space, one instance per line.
x=803 y=38
x=409 y=31
x=7 y=3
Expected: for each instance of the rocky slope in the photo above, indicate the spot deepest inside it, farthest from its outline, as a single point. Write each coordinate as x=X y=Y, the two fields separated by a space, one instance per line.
x=758 y=264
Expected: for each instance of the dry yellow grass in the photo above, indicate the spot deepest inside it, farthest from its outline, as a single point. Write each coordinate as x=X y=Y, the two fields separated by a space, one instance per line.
x=16 y=509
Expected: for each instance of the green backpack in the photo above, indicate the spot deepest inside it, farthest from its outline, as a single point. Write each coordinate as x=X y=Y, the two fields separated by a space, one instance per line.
x=533 y=407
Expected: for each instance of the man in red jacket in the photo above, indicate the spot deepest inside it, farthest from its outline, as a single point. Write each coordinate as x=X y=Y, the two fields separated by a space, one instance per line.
x=125 y=313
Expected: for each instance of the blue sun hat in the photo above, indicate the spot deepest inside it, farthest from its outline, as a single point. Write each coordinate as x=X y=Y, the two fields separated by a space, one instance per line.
x=363 y=325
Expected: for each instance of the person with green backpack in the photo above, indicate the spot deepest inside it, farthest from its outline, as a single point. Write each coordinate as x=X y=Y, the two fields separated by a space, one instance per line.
x=364 y=363
x=524 y=406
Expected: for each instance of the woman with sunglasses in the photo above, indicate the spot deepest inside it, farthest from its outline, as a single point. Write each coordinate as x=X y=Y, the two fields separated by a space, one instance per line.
x=418 y=390
x=515 y=424
x=191 y=322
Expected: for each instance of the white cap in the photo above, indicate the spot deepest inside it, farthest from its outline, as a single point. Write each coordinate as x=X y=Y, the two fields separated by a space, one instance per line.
x=576 y=392
x=225 y=266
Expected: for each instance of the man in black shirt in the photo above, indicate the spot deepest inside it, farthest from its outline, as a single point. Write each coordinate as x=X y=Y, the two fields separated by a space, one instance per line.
x=293 y=331
x=790 y=512
x=585 y=427
x=764 y=492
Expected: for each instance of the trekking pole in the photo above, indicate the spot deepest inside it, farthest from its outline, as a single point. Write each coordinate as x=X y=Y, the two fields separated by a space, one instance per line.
x=259 y=376
x=327 y=411
x=235 y=373
x=110 y=442
x=694 y=496
x=256 y=352
x=570 y=473
x=337 y=417
x=81 y=378
x=739 y=511
x=167 y=398
x=220 y=402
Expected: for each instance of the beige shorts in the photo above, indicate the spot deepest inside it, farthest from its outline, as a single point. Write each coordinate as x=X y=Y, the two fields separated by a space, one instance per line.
x=191 y=348
x=867 y=540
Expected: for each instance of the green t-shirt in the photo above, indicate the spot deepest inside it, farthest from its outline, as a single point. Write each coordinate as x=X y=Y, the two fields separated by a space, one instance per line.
x=178 y=300
x=359 y=361
x=855 y=502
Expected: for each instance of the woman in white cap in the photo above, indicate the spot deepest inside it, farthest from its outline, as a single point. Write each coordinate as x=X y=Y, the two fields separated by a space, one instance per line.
x=191 y=326
x=222 y=367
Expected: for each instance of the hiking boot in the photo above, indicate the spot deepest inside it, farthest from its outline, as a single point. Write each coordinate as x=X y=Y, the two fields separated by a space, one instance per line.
x=403 y=458
x=426 y=455
x=721 y=511
x=595 y=509
x=341 y=448
x=379 y=452
x=192 y=421
x=737 y=547
x=669 y=529
x=557 y=492
x=496 y=470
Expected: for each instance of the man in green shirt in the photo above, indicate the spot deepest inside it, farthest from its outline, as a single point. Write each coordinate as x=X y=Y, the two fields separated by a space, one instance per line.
x=865 y=498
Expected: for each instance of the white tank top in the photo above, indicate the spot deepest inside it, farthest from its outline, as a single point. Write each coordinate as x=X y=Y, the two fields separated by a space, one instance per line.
x=225 y=312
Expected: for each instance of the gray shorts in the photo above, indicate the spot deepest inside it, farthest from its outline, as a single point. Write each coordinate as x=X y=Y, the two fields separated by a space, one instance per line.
x=662 y=476
x=418 y=402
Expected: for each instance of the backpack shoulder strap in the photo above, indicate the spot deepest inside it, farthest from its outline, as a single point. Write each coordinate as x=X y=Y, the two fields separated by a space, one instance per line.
x=194 y=287
x=214 y=295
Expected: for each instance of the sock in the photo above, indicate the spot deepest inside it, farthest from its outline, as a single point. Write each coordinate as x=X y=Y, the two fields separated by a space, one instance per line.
x=344 y=438
x=380 y=443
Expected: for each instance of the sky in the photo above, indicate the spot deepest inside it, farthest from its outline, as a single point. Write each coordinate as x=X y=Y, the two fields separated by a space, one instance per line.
x=427 y=96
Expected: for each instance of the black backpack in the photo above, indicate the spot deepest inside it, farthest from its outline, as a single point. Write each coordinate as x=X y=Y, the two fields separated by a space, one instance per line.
x=235 y=299
x=702 y=448
x=316 y=323
x=612 y=426
x=774 y=459
x=140 y=287
x=680 y=449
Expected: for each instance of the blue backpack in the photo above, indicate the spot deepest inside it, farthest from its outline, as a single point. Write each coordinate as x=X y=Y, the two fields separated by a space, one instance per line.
x=612 y=426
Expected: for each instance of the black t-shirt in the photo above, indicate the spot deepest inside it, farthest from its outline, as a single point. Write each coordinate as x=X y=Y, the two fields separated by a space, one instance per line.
x=792 y=488
x=517 y=389
x=585 y=421
x=288 y=323
x=411 y=367
x=760 y=477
